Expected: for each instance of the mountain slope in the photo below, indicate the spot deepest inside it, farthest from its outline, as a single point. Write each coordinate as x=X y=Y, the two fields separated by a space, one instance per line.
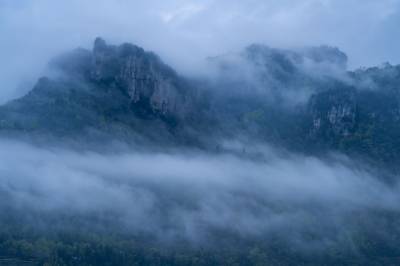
x=303 y=100
x=116 y=91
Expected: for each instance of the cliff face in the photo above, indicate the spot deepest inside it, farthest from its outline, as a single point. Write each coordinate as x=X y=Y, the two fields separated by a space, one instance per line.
x=142 y=75
x=361 y=118
x=333 y=113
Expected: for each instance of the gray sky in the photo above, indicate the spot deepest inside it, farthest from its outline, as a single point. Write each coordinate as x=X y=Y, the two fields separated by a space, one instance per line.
x=183 y=32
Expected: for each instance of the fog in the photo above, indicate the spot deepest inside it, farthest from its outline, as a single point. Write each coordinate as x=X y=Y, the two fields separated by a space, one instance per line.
x=79 y=168
x=186 y=32
x=189 y=194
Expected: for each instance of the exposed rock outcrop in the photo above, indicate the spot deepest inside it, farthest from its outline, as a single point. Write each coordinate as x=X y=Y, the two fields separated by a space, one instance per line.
x=142 y=75
x=333 y=113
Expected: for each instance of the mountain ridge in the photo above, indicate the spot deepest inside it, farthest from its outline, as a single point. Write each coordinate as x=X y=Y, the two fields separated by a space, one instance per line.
x=303 y=100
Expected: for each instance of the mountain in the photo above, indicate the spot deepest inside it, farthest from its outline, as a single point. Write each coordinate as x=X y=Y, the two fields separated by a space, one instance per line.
x=304 y=100
x=212 y=169
x=308 y=101
x=119 y=91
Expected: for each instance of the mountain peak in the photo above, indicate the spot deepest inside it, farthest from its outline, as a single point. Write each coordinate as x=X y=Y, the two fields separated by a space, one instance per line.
x=327 y=54
x=316 y=54
x=140 y=74
x=99 y=44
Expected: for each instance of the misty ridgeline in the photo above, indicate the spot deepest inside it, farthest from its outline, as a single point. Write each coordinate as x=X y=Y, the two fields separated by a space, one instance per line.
x=266 y=157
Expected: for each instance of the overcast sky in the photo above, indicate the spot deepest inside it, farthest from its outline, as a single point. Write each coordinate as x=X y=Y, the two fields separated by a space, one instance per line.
x=185 y=31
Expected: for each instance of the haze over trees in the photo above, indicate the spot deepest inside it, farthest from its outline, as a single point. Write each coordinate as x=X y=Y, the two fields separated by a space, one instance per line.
x=270 y=157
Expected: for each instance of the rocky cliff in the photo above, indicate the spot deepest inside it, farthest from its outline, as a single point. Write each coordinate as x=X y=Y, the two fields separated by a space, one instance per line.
x=142 y=75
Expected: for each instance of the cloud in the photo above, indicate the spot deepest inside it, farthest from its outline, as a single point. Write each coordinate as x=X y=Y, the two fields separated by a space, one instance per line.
x=191 y=194
x=185 y=32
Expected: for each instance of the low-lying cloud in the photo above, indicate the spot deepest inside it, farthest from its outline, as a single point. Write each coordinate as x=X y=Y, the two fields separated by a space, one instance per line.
x=190 y=194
